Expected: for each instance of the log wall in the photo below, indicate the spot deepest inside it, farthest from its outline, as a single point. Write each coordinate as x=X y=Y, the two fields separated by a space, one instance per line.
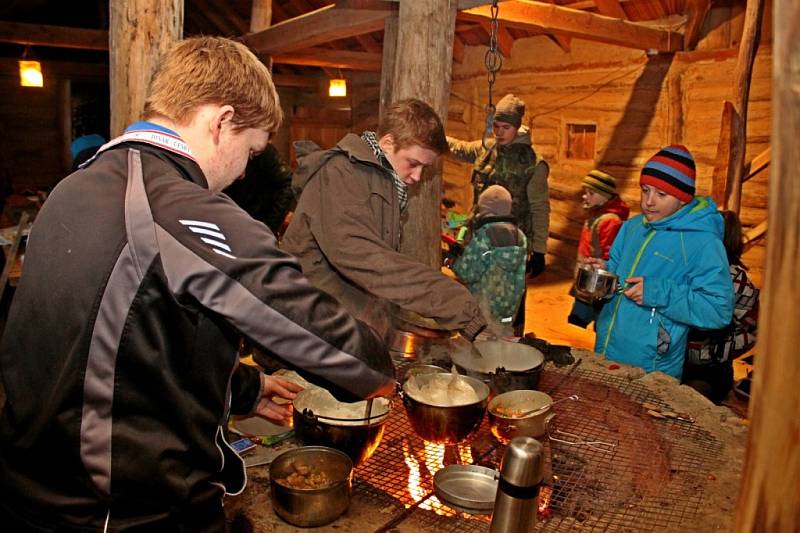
x=638 y=103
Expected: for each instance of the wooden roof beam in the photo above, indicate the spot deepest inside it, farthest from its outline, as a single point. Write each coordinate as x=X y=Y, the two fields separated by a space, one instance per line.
x=293 y=80
x=611 y=8
x=56 y=36
x=330 y=58
x=563 y=42
x=323 y=25
x=696 y=11
x=532 y=15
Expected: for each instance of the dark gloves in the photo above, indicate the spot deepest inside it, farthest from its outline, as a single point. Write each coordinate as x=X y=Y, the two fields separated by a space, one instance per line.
x=535 y=264
x=559 y=354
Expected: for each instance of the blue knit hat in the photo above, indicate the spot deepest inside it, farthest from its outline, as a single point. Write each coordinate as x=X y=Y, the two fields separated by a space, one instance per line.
x=84 y=143
x=672 y=170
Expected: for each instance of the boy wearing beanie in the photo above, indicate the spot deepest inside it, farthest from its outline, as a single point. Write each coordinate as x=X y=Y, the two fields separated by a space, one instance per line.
x=510 y=161
x=493 y=262
x=673 y=266
x=606 y=210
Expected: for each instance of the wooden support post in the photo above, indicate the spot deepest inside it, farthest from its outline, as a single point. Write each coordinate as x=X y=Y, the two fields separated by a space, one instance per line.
x=741 y=94
x=260 y=15
x=422 y=69
x=727 y=132
x=140 y=31
x=769 y=499
x=387 y=69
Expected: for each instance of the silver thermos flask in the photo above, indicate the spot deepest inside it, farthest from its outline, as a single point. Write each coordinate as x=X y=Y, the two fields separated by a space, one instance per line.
x=521 y=473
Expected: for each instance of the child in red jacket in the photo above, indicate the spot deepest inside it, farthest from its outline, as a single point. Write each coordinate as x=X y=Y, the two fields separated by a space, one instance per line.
x=607 y=211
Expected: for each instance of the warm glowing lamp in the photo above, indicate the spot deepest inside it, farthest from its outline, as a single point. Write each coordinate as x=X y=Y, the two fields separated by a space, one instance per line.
x=30 y=74
x=337 y=87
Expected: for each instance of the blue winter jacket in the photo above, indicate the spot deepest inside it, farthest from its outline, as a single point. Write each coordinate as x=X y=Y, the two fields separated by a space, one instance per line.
x=686 y=283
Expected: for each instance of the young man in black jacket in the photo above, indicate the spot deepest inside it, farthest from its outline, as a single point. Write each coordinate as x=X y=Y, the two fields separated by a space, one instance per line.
x=119 y=360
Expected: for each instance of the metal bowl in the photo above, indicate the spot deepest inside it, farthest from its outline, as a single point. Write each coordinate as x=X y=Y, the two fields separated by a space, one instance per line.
x=446 y=425
x=593 y=284
x=356 y=437
x=312 y=507
x=505 y=426
x=504 y=366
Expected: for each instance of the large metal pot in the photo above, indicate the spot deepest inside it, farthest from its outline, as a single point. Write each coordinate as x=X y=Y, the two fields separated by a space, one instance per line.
x=412 y=336
x=445 y=425
x=311 y=507
x=504 y=366
x=356 y=437
x=505 y=410
x=593 y=284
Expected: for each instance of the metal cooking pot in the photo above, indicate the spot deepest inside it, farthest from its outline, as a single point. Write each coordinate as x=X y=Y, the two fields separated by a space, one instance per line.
x=593 y=284
x=505 y=425
x=312 y=507
x=446 y=425
x=356 y=437
x=413 y=336
x=504 y=366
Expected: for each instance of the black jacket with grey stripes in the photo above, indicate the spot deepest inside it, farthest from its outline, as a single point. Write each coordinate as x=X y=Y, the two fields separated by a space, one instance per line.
x=119 y=357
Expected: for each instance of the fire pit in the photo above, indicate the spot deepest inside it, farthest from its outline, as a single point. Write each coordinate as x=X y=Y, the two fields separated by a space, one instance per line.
x=614 y=464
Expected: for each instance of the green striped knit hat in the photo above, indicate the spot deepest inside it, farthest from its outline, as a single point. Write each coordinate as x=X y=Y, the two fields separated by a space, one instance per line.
x=599 y=181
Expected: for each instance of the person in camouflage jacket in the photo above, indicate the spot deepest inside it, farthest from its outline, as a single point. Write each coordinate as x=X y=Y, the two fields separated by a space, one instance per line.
x=510 y=161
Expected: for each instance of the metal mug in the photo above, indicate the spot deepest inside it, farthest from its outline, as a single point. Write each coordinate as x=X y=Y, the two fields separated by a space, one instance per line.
x=593 y=284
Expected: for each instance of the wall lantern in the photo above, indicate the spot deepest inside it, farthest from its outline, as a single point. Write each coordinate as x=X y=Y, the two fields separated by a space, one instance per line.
x=337 y=87
x=30 y=74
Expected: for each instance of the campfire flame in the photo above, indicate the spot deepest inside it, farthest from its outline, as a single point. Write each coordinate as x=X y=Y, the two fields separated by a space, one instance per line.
x=421 y=471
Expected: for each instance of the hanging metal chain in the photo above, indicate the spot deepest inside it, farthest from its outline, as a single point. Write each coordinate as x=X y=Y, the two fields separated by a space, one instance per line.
x=493 y=60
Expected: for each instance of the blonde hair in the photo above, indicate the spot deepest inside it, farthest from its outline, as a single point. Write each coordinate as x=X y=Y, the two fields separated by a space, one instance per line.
x=413 y=122
x=213 y=70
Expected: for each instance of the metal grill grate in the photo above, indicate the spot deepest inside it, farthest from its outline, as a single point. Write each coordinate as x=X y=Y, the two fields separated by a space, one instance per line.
x=617 y=467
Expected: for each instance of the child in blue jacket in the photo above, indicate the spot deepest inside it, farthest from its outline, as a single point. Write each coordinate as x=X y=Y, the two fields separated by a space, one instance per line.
x=674 y=266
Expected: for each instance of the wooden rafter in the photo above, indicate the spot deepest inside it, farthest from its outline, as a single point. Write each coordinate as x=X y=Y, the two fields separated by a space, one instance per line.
x=211 y=12
x=757 y=164
x=317 y=27
x=755 y=234
x=696 y=11
x=330 y=58
x=58 y=36
x=611 y=8
x=563 y=42
x=532 y=15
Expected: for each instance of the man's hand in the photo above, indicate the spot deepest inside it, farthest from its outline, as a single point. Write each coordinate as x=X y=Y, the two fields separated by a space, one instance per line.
x=635 y=290
x=276 y=397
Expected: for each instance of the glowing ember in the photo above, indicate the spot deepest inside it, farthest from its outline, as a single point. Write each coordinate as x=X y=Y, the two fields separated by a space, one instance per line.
x=465 y=454
x=544 y=510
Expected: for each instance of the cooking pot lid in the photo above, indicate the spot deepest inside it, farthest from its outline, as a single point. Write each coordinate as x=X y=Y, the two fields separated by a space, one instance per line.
x=471 y=488
x=513 y=356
